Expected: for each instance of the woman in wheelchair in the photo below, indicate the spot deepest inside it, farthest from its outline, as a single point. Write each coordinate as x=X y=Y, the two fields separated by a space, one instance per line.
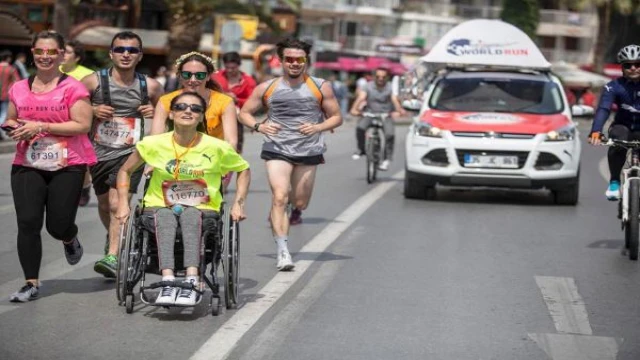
x=183 y=190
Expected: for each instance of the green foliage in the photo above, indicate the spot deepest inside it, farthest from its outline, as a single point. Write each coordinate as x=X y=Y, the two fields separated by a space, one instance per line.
x=523 y=14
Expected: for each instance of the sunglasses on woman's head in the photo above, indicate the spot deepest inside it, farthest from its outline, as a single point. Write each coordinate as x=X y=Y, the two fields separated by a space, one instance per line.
x=628 y=66
x=295 y=59
x=41 y=51
x=198 y=109
x=123 y=49
x=200 y=75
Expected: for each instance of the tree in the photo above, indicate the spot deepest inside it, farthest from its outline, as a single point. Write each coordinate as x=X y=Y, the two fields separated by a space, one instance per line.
x=187 y=16
x=605 y=9
x=523 y=14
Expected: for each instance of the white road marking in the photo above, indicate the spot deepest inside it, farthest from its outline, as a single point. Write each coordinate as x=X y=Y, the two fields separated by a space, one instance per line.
x=577 y=347
x=222 y=342
x=50 y=271
x=565 y=305
x=603 y=168
x=6 y=209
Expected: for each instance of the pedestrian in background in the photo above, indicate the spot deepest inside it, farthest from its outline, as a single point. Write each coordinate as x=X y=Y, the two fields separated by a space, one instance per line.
x=8 y=76
x=20 y=65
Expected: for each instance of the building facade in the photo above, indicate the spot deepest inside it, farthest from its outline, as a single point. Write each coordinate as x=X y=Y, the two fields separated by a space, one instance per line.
x=363 y=27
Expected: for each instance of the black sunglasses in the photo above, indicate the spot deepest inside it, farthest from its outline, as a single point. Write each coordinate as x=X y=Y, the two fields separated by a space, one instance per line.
x=122 y=49
x=198 y=109
x=200 y=75
x=628 y=66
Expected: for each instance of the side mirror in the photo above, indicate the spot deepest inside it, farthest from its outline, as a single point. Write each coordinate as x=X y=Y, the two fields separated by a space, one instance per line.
x=582 y=110
x=412 y=104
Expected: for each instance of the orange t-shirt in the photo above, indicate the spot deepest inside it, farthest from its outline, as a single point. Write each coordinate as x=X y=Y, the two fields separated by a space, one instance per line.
x=213 y=115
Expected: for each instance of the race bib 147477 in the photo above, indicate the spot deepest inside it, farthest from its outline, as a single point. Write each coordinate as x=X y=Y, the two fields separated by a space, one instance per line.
x=47 y=153
x=185 y=192
x=118 y=132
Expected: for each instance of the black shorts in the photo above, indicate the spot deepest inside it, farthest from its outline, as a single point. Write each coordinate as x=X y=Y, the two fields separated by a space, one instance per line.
x=293 y=160
x=104 y=174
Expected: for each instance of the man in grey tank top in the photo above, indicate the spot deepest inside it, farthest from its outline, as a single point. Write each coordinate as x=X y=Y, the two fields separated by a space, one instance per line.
x=118 y=124
x=299 y=109
x=380 y=99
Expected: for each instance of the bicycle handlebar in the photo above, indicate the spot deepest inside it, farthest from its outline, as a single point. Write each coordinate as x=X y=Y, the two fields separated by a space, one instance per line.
x=634 y=144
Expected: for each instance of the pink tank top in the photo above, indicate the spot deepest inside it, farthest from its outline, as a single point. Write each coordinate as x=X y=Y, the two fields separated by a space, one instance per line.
x=46 y=151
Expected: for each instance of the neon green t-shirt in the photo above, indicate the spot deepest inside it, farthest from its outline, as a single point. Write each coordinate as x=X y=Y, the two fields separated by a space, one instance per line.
x=79 y=72
x=200 y=171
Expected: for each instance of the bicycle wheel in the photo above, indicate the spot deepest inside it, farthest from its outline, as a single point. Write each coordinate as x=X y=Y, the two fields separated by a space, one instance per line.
x=634 y=217
x=371 y=146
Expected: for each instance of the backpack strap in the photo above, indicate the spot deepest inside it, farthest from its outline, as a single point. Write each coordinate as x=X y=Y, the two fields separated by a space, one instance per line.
x=269 y=91
x=315 y=89
x=104 y=86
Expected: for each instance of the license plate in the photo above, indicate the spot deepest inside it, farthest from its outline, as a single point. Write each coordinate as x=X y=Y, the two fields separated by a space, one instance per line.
x=491 y=161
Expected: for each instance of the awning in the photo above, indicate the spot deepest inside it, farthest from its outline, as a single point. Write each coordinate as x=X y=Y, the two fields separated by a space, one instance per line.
x=14 y=30
x=153 y=41
x=487 y=43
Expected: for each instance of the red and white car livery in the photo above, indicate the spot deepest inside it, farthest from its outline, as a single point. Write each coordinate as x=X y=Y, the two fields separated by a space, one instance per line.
x=492 y=125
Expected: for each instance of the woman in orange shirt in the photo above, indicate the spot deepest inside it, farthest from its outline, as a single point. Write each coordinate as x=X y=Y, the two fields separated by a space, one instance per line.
x=194 y=72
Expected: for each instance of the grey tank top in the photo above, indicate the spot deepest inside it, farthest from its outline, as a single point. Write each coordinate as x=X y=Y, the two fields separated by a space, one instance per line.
x=379 y=100
x=125 y=100
x=290 y=108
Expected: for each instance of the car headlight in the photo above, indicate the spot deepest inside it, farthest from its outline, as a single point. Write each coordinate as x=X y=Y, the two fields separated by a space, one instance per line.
x=563 y=134
x=428 y=130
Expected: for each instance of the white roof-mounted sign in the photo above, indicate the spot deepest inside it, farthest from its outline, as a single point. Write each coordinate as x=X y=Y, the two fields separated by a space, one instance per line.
x=491 y=43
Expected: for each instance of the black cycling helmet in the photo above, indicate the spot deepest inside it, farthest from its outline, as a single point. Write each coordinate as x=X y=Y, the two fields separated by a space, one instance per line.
x=629 y=53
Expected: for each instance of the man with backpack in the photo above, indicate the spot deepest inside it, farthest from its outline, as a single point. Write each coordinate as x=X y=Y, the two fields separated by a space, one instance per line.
x=121 y=99
x=299 y=109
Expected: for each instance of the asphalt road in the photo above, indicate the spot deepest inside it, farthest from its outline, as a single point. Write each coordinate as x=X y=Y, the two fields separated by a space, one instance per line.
x=482 y=274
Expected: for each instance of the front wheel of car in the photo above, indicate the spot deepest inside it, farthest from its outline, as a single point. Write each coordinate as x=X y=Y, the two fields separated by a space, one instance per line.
x=414 y=189
x=568 y=195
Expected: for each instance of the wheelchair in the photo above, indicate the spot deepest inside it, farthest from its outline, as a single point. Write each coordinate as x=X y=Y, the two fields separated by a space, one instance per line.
x=139 y=256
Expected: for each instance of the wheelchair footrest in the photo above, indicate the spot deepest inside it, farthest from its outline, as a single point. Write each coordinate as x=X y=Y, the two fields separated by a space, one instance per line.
x=175 y=283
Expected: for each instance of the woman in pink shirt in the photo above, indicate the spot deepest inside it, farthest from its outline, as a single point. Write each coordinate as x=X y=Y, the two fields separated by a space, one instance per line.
x=50 y=116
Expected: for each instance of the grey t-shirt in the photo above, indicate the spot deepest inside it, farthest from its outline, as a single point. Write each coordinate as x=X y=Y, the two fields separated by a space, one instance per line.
x=115 y=138
x=379 y=100
x=291 y=107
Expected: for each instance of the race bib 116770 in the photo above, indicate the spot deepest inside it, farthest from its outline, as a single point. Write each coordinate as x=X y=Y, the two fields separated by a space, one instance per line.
x=185 y=192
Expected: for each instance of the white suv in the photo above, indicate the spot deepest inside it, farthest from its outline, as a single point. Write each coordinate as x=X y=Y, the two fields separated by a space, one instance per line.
x=507 y=128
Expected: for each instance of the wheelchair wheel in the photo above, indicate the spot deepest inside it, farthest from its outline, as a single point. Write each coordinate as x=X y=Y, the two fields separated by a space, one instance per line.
x=214 y=304
x=129 y=303
x=122 y=270
x=231 y=261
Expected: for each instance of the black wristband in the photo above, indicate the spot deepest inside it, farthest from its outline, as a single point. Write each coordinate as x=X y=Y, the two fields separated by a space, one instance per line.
x=256 y=126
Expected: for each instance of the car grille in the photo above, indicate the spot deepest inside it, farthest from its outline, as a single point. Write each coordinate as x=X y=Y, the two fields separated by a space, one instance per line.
x=522 y=155
x=493 y=135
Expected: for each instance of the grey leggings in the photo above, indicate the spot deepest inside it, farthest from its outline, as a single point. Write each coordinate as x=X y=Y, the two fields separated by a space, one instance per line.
x=192 y=223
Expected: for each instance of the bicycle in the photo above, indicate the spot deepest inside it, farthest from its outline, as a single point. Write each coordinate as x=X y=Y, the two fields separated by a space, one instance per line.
x=374 y=143
x=629 y=204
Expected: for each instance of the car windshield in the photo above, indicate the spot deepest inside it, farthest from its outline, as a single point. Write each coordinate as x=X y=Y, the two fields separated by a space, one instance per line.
x=497 y=95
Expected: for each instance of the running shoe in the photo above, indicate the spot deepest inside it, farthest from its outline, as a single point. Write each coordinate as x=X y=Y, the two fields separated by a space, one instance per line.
x=357 y=155
x=85 y=196
x=73 y=251
x=167 y=296
x=26 y=293
x=296 y=217
x=107 y=266
x=187 y=297
x=613 y=191
x=384 y=165
x=284 y=261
